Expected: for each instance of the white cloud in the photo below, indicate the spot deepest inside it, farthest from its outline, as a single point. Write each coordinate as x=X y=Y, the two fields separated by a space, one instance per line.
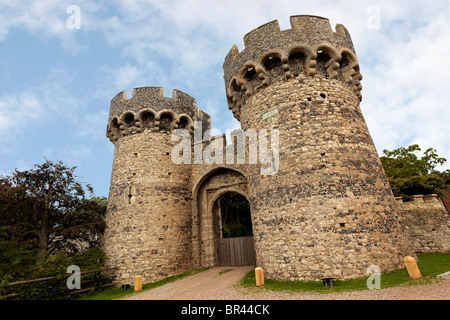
x=73 y=154
x=15 y=110
x=402 y=62
x=16 y=113
x=181 y=44
x=49 y=104
x=93 y=125
x=47 y=19
x=404 y=90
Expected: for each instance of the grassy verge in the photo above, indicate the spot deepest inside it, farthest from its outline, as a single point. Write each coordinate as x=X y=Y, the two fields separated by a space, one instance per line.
x=117 y=293
x=225 y=271
x=430 y=265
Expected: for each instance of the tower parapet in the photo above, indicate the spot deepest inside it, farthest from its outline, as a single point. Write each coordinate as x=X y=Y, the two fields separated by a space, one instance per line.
x=270 y=55
x=149 y=109
x=328 y=211
x=148 y=214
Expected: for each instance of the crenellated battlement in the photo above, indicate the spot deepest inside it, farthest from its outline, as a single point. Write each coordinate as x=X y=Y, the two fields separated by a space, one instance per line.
x=308 y=30
x=303 y=158
x=153 y=97
x=421 y=202
x=271 y=55
x=148 y=108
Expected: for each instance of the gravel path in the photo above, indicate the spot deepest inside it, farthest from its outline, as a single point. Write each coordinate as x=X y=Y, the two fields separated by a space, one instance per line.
x=211 y=285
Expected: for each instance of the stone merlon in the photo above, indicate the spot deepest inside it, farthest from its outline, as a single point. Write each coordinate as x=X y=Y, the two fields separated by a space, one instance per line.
x=307 y=30
x=153 y=97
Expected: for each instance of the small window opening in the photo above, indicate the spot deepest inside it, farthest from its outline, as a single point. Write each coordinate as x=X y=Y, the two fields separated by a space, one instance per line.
x=165 y=122
x=148 y=119
x=344 y=61
x=250 y=74
x=235 y=87
x=272 y=62
x=183 y=123
x=129 y=119
x=114 y=123
x=297 y=63
x=130 y=194
x=342 y=225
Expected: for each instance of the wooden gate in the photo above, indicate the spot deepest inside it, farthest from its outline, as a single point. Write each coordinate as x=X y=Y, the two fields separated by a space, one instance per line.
x=235 y=251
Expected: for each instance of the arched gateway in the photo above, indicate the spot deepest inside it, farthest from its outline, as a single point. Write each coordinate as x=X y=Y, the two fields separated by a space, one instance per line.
x=326 y=211
x=210 y=246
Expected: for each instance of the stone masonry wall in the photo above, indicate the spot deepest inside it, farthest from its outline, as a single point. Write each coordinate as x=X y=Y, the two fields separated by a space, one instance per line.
x=427 y=222
x=148 y=234
x=149 y=220
x=328 y=211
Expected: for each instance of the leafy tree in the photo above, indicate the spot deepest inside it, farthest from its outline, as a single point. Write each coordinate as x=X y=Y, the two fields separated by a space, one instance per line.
x=235 y=215
x=102 y=201
x=409 y=174
x=46 y=206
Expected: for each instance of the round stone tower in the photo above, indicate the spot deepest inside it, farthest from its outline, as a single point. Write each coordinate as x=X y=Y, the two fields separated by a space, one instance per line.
x=329 y=210
x=148 y=217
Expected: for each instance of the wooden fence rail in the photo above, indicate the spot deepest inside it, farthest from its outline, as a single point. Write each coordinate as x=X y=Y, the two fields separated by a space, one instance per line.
x=11 y=284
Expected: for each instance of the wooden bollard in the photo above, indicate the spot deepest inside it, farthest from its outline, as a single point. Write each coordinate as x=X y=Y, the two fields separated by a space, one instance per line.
x=412 y=267
x=259 y=275
x=138 y=283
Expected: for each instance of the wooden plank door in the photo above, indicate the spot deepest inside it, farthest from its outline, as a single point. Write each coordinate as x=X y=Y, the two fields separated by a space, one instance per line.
x=235 y=251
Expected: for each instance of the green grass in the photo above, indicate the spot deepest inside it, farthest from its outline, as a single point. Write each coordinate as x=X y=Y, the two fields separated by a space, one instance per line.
x=430 y=265
x=225 y=271
x=118 y=293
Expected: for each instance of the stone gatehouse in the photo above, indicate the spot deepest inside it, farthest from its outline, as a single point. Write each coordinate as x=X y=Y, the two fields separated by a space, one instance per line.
x=326 y=211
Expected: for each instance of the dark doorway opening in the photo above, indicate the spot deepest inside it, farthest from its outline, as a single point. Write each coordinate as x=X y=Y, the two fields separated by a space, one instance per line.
x=235 y=216
x=235 y=244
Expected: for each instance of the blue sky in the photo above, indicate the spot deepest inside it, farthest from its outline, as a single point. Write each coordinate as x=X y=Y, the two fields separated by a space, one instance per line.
x=56 y=82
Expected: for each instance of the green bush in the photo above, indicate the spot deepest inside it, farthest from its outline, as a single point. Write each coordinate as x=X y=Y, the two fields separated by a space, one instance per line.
x=46 y=290
x=53 y=266
x=91 y=259
x=234 y=230
x=16 y=262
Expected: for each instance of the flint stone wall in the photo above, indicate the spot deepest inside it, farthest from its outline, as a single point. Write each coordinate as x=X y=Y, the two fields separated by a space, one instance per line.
x=427 y=221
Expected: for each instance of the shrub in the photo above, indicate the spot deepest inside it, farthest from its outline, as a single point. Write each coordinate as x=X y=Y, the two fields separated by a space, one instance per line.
x=53 y=266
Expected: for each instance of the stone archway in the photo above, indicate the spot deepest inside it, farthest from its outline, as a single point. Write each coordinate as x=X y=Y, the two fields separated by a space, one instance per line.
x=206 y=230
x=233 y=230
